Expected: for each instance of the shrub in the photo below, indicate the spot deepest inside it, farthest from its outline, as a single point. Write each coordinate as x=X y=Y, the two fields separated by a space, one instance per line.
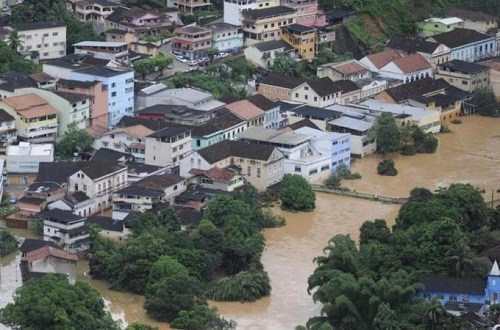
x=429 y=144
x=408 y=150
x=332 y=182
x=296 y=193
x=387 y=167
x=8 y=243
x=244 y=286
x=345 y=173
x=456 y=121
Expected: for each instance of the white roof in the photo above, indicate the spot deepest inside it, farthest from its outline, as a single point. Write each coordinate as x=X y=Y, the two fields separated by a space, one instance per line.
x=394 y=108
x=351 y=123
x=100 y=44
x=445 y=21
x=189 y=94
x=318 y=134
x=495 y=271
x=155 y=88
x=258 y=133
x=27 y=149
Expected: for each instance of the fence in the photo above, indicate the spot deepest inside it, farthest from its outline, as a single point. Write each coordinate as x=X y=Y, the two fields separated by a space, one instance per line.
x=356 y=194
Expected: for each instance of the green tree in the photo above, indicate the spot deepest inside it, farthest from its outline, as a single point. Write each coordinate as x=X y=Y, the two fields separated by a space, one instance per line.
x=212 y=52
x=51 y=302
x=140 y=326
x=144 y=66
x=38 y=227
x=169 y=219
x=332 y=182
x=161 y=62
x=14 y=40
x=244 y=286
x=10 y=60
x=8 y=242
x=387 y=133
x=460 y=255
x=387 y=167
x=73 y=140
x=172 y=295
x=376 y=230
x=163 y=268
x=285 y=65
x=201 y=317
x=296 y=193
x=486 y=103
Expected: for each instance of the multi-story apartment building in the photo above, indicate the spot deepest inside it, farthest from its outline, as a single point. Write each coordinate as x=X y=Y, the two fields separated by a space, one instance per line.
x=362 y=143
x=192 y=6
x=233 y=8
x=98 y=111
x=36 y=119
x=118 y=84
x=26 y=157
x=192 y=41
x=65 y=229
x=302 y=38
x=464 y=75
x=8 y=131
x=261 y=165
x=140 y=22
x=168 y=146
x=71 y=108
x=223 y=127
x=46 y=38
x=95 y=11
x=113 y=51
x=265 y=24
x=225 y=36
x=308 y=13
x=272 y=116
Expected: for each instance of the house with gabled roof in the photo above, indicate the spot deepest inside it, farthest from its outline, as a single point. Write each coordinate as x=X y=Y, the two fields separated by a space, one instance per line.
x=474 y=20
x=246 y=110
x=407 y=68
x=375 y=62
x=65 y=229
x=223 y=127
x=272 y=117
x=347 y=70
x=467 y=76
x=139 y=21
x=217 y=178
x=278 y=87
x=260 y=165
x=263 y=54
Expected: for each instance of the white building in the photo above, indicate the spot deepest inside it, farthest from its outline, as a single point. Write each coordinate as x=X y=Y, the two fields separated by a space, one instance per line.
x=46 y=38
x=407 y=69
x=233 y=8
x=65 y=229
x=26 y=157
x=168 y=146
x=362 y=143
x=301 y=155
x=113 y=51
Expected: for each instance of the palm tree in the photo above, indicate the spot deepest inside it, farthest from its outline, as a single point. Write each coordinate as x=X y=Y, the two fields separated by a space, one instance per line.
x=459 y=254
x=15 y=40
x=434 y=312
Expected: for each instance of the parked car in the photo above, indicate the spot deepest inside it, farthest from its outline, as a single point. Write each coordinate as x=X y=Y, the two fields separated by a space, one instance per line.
x=176 y=52
x=222 y=55
x=217 y=57
x=193 y=63
x=182 y=59
x=13 y=200
x=6 y=8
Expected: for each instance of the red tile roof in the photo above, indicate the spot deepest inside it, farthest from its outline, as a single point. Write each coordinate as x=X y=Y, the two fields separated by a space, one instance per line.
x=349 y=68
x=46 y=251
x=383 y=58
x=412 y=63
x=215 y=173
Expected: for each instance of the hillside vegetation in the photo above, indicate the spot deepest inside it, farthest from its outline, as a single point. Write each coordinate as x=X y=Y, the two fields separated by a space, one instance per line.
x=380 y=19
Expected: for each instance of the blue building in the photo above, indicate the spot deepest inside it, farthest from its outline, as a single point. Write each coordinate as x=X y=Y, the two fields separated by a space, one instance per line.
x=226 y=37
x=461 y=294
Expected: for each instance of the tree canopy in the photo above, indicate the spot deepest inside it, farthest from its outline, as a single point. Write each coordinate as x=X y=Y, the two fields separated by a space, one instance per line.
x=486 y=103
x=51 y=302
x=387 y=133
x=10 y=60
x=73 y=140
x=8 y=242
x=296 y=193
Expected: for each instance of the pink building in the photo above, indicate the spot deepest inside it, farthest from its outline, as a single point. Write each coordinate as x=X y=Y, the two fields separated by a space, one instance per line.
x=308 y=13
x=99 y=101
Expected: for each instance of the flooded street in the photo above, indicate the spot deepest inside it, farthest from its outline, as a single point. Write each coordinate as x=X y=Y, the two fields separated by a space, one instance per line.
x=470 y=154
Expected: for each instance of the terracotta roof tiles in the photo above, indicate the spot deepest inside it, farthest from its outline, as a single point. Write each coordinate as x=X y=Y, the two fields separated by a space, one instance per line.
x=412 y=63
x=383 y=58
x=245 y=109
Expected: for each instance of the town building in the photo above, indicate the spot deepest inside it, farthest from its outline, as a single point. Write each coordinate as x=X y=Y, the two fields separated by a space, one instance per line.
x=272 y=117
x=95 y=12
x=8 y=131
x=217 y=178
x=429 y=94
x=278 y=87
x=301 y=155
x=65 y=229
x=347 y=70
x=77 y=203
x=494 y=77
x=47 y=39
x=131 y=140
x=475 y=20
x=189 y=7
x=260 y=165
x=223 y=127
x=407 y=68
x=10 y=82
x=319 y=92
x=141 y=22
x=362 y=141
x=107 y=50
x=375 y=62
x=302 y=38
x=226 y=37
x=265 y=24
x=318 y=116
x=233 y=8
x=246 y=110
x=38 y=195
x=262 y=54
x=72 y=108
x=192 y=41
x=464 y=75
x=191 y=202
x=36 y=119
x=435 y=25
x=117 y=35
x=179 y=114
x=160 y=94
x=98 y=111
x=371 y=87
x=307 y=11
x=151 y=49
x=467 y=45
x=108 y=227
x=168 y=146
x=118 y=83
x=434 y=52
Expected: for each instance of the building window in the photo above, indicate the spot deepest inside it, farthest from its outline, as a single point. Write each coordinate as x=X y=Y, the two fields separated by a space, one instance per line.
x=258 y=172
x=113 y=94
x=249 y=171
x=297 y=168
x=296 y=95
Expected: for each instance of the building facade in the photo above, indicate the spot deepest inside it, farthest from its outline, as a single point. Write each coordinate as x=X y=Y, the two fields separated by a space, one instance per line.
x=302 y=38
x=48 y=39
x=192 y=41
x=265 y=24
x=226 y=37
x=167 y=147
x=464 y=75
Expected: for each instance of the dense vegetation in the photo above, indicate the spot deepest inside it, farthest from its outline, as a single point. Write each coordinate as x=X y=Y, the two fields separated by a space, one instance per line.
x=408 y=139
x=380 y=19
x=8 y=242
x=174 y=268
x=226 y=78
x=54 y=10
x=486 y=103
x=373 y=286
x=11 y=61
x=296 y=194
x=334 y=181
x=73 y=140
x=51 y=302
x=387 y=167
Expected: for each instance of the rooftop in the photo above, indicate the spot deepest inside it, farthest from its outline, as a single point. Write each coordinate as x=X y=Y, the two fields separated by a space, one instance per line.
x=30 y=244
x=137 y=131
x=49 y=251
x=58 y=216
x=262 y=102
x=281 y=81
x=351 y=123
x=5 y=116
x=100 y=44
x=422 y=87
x=258 y=133
x=267 y=12
x=245 y=109
x=325 y=86
x=72 y=97
x=383 y=58
x=298 y=28
x=395 y=108
x=169 y=132
x=348 y=67
x=463 y=66
x=134 y=190
x=444 y=21
x=215 y=173
x=217 y=124
x=218 y=27
x=411 y=44
x=302 y=123
x=192 y=29
x=28 y=149
x=39 y=25
x=272 y=45
x=43 y=187
x=459 y=37
x=453 y=285
x=307 y=111
x=412 y=63
x=105 y=154
x=471 y=15
x=105 y=223
x=159 y=182
x=230 y=148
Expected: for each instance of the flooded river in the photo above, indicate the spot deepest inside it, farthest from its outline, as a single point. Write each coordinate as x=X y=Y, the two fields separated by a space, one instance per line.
x=470 y=154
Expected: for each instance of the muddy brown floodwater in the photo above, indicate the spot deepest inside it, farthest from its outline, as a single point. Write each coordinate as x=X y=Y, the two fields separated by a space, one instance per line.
x=470 y=154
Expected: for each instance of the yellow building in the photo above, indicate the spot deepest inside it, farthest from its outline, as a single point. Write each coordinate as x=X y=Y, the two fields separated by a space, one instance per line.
x=302 y=38
x=36 y=120
x=265 y=24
